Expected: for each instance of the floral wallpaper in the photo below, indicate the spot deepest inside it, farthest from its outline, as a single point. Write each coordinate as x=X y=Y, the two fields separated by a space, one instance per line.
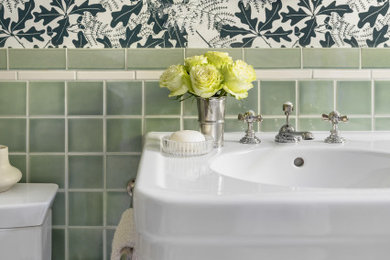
x=193 y=23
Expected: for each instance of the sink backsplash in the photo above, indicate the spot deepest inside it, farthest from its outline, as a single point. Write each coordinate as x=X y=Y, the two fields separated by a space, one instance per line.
x=73 y=110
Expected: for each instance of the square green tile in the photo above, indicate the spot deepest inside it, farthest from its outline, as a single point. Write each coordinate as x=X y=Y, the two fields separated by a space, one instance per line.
x=121 y=169
x=13 y=134
x=315 y=97
x=47 y=135
x=151 y=58
x=235 y=53
x=331 y=58
x=12 y=98
x=278 y=58
x=157 y=101
x=273 y=94
x=85 y=172
x=313 y=124
x=124 y=135
x=382 y=97
x=85 y=244
x=274 y=124
x=382 y=124
x=85 y=135
x=3 y=59
x=47 y=169
x=162 y=125
x=375 y=58
x=47 y=59
x=234 y=125
x=19 y=161
x=85 y=98
x=117 y=202
x=96 y=58
x=234 y=106
x=191 y=124
x=85 y=208
x=47 y=98
x=190 y=107
x=124 y=98
x=58 y=213
x=356 y=124
x=109 y=237
x=58 y=244
x=354 y=97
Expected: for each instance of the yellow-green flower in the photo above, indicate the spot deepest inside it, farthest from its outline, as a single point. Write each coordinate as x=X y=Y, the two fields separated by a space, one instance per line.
x=206 y=80
x=176 y=79
x=194 y=61
x=238 y=79
x=218 y=59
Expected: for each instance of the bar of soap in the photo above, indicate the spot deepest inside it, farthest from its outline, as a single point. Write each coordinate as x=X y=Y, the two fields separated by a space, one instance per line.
x=187 y=136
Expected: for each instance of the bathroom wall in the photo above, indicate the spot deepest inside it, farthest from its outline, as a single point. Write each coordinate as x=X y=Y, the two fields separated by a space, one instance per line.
x=75 y=116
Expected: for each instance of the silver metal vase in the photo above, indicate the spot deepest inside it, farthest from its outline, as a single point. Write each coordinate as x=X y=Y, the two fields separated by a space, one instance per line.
x=211 y=116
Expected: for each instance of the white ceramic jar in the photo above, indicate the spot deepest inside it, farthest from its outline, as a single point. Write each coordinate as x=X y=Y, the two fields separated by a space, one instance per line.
x=9 y=175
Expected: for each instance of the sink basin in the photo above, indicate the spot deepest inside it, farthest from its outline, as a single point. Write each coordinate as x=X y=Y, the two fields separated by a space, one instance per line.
x=306 y=201
x=311 y=167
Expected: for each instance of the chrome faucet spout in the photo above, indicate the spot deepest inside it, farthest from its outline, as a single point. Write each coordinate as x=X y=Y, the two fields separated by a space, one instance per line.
x=306 y=135
x=287 y=133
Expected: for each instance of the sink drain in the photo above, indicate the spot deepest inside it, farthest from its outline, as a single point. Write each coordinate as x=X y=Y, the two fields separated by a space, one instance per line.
x=299 y=162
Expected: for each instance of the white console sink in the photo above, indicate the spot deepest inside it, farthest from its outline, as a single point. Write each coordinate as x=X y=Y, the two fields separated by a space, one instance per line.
x=251 y=202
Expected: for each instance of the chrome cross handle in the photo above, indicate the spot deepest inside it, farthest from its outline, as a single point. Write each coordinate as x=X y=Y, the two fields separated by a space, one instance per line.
x=334 y=117
x=250 y=117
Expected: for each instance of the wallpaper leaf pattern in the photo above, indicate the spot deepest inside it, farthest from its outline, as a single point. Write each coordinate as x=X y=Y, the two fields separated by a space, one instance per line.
x=194 y=23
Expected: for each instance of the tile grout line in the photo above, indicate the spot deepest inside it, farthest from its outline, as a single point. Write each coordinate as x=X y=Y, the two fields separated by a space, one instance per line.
x=7 y=59
x=181 y=115
x=258 y=104
x=126 y=60
x=334 y=94
x=27 y=132
x=66 y=188
x=66 y=59
x=143 y=109
x=296 y=104
x=78 y=153
x=104 y=169
x=372 y=105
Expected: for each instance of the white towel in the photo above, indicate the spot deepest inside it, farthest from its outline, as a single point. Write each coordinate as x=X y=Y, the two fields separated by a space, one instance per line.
x=125 y=235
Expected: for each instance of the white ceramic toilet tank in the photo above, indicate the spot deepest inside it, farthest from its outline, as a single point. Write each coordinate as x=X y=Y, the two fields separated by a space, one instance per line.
x=25 y=221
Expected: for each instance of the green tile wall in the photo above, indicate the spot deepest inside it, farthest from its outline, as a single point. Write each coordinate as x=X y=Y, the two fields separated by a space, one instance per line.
x=86 y=135
x=375 y=58
x=37 y=59
x=274 y=58
x=315 y=97
x=3 y=59
x=96 y=59
x=47 y=98
x=12 y=98
x=330 y=58
x=153 y=58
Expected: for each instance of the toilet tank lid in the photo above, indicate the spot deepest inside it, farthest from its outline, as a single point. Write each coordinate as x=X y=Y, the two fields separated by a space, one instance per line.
x=26 y=204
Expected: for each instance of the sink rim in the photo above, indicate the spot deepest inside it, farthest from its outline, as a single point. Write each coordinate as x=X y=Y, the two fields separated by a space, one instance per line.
x=149 y=174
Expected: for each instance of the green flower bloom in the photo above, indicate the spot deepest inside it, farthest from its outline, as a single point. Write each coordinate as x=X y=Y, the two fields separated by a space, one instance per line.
x=218 y=59
x=176 y=79
x=194 y=61
x=238 y=79
x=206 y=80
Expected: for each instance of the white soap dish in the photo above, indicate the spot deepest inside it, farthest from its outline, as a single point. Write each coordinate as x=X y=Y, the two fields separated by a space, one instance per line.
x=182 y=149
